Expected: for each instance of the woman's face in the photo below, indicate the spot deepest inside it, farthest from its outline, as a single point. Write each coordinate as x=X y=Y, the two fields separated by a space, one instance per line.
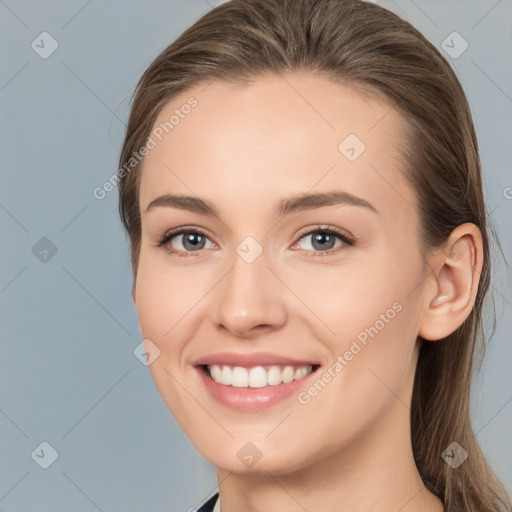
x=309 y=260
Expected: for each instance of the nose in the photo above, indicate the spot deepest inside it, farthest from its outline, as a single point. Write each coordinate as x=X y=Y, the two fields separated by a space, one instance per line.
x=249 y=300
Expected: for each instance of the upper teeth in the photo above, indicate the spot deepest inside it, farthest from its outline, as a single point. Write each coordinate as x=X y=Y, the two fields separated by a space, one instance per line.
x=256 y=377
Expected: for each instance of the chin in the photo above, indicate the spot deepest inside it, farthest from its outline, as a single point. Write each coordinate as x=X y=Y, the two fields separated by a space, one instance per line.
x=250 y=460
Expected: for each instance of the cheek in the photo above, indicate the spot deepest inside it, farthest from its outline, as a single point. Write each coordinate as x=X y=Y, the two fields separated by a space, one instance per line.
x=164 y=303
x=366 y=318
x=347 y=298
x=165 y=300
x=168 y=287
x=372 y=367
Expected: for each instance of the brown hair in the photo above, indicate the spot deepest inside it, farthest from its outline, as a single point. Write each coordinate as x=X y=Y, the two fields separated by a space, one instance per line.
x=371 y=49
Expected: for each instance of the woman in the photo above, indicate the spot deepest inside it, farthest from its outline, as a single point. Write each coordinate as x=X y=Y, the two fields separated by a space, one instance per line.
x=301 y=186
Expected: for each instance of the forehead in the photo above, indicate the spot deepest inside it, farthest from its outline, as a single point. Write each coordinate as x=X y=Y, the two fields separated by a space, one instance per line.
x=243 y=145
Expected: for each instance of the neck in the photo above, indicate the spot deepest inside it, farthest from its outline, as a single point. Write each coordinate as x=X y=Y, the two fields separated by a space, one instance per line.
x=376 y=471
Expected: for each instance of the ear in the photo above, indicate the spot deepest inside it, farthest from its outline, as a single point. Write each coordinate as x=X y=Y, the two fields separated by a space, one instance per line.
x=454 y=283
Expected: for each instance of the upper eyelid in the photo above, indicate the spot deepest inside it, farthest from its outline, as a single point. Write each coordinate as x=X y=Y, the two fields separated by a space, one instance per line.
x=326 y=228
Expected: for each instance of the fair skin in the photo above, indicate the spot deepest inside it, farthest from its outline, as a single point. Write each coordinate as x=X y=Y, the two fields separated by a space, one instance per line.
x=242 y=149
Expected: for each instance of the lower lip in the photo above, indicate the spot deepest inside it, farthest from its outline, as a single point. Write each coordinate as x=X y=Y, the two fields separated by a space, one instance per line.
x=252 y=399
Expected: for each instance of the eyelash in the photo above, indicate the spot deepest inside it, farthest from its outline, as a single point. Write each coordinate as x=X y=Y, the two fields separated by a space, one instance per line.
x=330 y=230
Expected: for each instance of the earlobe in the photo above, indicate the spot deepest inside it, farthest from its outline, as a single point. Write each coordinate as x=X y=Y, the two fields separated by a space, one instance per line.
x=455 y=279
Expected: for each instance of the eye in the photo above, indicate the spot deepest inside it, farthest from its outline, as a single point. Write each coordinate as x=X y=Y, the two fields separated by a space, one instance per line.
x=183 y=241
x=326 y=240
x=322 y=241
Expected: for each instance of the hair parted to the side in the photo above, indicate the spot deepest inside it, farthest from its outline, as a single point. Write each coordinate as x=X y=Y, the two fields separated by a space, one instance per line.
x=373 y=50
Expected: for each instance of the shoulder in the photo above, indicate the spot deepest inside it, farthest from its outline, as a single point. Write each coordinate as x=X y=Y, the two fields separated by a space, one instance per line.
x=208 y=506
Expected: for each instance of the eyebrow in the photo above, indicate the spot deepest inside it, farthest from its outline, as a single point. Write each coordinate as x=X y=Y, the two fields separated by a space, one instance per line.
x=282 y=208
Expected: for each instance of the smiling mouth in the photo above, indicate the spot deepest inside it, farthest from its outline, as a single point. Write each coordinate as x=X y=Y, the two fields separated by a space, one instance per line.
x=256 y=376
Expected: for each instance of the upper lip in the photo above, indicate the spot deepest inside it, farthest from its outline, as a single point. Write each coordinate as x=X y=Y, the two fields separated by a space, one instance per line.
x=250 y=360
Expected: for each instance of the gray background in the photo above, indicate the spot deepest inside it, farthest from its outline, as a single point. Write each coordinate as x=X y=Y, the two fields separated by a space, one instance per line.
x=68 y=373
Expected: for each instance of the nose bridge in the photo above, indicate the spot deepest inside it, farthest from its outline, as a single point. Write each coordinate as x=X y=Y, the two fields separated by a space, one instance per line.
x=249 y=296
